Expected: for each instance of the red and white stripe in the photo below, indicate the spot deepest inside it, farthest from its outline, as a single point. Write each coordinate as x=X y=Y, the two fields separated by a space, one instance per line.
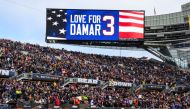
x=131 y=24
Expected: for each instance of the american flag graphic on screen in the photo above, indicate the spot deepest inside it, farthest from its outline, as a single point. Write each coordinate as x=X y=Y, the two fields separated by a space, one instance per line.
x=131 y=24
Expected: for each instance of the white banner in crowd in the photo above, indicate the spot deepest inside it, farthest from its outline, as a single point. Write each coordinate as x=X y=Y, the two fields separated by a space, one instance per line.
x=87 y=81
x=93 y=81
x=4 y=72
x=120 y=84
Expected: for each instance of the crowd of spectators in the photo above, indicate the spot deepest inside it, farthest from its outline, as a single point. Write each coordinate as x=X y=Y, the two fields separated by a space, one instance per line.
x=45 y=93
x=30 y=58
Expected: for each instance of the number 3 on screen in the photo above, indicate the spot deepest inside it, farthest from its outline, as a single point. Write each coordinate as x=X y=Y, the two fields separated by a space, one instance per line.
x=109 y=25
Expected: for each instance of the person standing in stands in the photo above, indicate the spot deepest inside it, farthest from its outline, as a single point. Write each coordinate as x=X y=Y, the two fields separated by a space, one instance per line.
x=57 y=102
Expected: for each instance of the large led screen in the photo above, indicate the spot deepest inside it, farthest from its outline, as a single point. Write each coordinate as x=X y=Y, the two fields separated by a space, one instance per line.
x=94 y=25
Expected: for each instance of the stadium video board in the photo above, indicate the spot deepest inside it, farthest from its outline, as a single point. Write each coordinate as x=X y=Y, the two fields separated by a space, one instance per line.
x=94 y=25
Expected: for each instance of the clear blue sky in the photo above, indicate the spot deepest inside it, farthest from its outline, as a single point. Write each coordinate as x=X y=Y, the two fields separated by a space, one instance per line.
x=24 y=20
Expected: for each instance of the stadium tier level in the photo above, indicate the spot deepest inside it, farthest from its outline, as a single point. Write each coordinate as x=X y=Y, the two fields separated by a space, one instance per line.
x=166 y=36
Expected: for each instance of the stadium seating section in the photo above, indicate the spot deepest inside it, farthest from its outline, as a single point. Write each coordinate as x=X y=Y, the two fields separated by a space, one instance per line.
x=29 y=58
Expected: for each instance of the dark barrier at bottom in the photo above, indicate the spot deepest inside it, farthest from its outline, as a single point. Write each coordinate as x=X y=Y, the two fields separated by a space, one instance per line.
x=31 y=105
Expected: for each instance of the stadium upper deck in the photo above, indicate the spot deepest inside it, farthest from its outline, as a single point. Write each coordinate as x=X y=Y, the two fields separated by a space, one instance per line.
x=173 y=31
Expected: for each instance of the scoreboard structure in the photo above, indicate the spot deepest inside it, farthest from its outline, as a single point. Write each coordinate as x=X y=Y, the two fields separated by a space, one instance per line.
x=82 y=25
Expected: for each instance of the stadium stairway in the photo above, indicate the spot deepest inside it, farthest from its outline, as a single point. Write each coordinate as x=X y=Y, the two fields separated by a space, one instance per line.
x=22 y=76
x=139 y=87
x=67 y=81
x=104 y=85
x=171 y=60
